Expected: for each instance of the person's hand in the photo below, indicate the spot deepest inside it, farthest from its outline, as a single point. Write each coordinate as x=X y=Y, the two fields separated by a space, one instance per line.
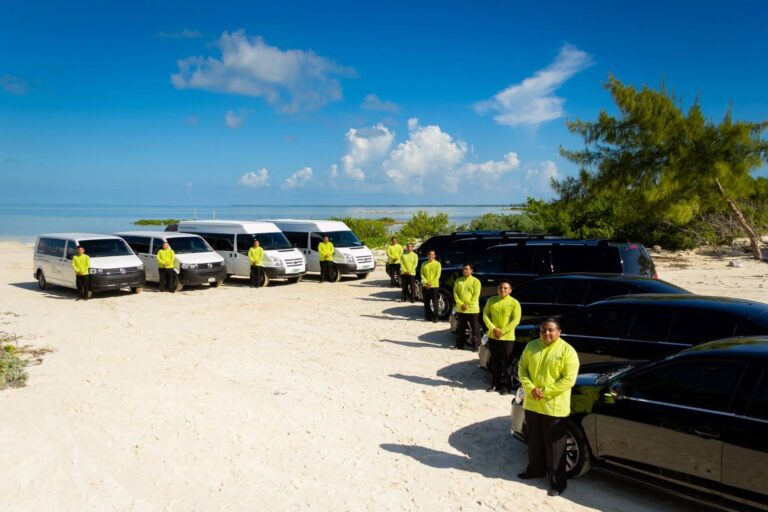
x=497 y=333
x=463 y=307
x=537 y=394
x=427 y=286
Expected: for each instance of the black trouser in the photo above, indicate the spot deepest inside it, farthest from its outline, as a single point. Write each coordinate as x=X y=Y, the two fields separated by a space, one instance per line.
x=257 y=275
x=502 y=358
x=325 y=271
x=430 y=297
x=167 y=280
x=83 y=285
x=471 y=320
x=408 y=287
x=546 y=447
x=392 y=269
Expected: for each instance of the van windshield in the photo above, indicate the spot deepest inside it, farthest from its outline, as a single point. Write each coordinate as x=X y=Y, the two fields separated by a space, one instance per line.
x=188 y=245
x=105 y=248
x=343 y=239
x=268 y=241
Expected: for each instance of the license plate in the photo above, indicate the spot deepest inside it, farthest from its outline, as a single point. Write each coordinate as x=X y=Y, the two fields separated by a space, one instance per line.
x=366 y=265
x=295 y=270
x=211 y=279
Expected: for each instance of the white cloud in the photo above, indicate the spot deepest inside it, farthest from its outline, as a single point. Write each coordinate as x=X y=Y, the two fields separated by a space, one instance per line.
x=487 y=175
x=290 y=80
x=366 y=148
x=428 y=151
x=255 y=179
x=373 y=102
x=298 y=179
x=532 y=101
x=538 y=178
x=183 y=34
x=13 y=85
x=233 y=120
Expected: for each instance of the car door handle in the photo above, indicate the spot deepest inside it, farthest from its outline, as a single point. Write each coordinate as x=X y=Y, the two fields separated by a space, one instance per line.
x=706 y=434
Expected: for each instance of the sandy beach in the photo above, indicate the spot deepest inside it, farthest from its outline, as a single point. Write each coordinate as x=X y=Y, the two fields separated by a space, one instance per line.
x=294 y=397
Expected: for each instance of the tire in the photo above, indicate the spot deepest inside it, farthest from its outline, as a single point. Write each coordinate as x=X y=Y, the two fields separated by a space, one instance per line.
x=215 y=284
x=419 y=292
x=137 y=289
x=179 y=285
x=577 y=453
x=90 y=295
x=444 y=304
x=41 y=281
x=296 y=279
x=265 y=281
x=363 y=276
x=396 y=278
x=333 y=274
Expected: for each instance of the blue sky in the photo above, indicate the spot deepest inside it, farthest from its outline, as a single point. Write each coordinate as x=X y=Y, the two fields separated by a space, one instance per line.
x=196 y=103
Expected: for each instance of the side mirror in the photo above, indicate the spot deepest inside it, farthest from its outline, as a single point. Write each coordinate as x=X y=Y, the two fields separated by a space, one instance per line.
x=616 y=391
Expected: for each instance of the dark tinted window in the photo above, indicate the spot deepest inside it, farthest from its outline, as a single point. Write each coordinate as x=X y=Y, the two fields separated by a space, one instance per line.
x=491 y=261
x=604 y=321
x=539 y=292
x=571 y=292
x=436 y=243
x=51 y=247
x=268 y=241
x=71 y=249
x=648 y=324
x=139 y=244
x=694 y=326
x=315 y=240
x=219 y=242
x=296 y=238
x=704 y=384
x=571 y=258
x=636 y=260
x=758 y=406
x=105 y=247
x=188 y=245
x=157 y=244
x=519 y=260
x=602 y=290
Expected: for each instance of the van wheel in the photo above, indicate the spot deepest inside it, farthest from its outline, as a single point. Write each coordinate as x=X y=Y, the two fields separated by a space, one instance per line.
x=577 y=455
x=296 y=279
x=41 y=282
x=89 y=295
x=179 y=285
x=333 y=274
x=444 y=304
x=265 y=280
x=215 y=284
x=136 y=289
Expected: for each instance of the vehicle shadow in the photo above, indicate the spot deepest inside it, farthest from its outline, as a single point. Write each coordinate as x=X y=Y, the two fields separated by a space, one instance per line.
x=464 y=375
x=62 y=293
x=370 y=283
x=410 y=312
x=437 y=339
x=488 y=450
x=388 y=296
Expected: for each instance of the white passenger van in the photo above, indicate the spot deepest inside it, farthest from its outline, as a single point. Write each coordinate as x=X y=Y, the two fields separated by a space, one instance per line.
x=232 y=239
x=113 y=263
x=351 y=256
x=196 y=262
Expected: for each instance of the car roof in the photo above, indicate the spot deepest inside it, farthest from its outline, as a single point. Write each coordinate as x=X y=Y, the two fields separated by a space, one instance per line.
x=79 y=236
x=744 y=307
x=603 y=276
x=749 y=347
x=320 y=225
x=157 y=234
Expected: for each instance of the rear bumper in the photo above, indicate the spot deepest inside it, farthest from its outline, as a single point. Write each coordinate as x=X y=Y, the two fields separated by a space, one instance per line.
x=115 y=281
x=202 y=275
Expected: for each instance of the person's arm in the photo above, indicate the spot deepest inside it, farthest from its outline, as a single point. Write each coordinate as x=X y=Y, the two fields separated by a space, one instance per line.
x=476 y=292
x=514 y=318
x=74 y=264
x=567 y=377
x=457 y=295
x=523 y=374
x=487 y=316
x=252 y=256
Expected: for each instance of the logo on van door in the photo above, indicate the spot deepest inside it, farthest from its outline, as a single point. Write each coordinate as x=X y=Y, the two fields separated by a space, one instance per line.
x=122 y=271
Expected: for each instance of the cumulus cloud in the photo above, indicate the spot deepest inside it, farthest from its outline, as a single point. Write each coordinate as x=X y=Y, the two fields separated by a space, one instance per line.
x=13 y=85
x=373 y=102
x=532 y=101
x=538 y=178
x=487 y=175
x=182 y=34
x=298 y=179
x=366 y=148
x=289 y=80
x=255 y=179
x=234 y=120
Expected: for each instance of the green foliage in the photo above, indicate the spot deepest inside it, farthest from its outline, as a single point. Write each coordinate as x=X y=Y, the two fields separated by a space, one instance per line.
x=423 y=225
x=373 y=232
x=12 y=372
x=504 y=222
x=155 y=222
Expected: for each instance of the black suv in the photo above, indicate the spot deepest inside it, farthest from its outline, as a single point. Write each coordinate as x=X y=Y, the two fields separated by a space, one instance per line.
x=558 y=294
x=694 y=423
x=647 y=326
x=528 y=259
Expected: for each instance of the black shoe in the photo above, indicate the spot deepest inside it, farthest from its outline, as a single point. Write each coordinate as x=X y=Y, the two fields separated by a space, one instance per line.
x=434 y=320
x=554 y=492
x=503 y=391
x=79 y=298
x=525 y=475
x=492 y=388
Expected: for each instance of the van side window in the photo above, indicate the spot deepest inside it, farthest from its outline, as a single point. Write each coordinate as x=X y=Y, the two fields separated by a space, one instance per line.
x=71 y=249
x=315 y=240
x=51 y=247
x=157 y=244
x=139 y=244
x=296 y=238
x=219 y=241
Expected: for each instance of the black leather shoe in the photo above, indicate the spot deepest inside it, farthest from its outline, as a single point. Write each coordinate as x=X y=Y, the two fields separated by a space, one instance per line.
x=528 y=476
x=554 y=492
x=503 y=391
x=492 y=388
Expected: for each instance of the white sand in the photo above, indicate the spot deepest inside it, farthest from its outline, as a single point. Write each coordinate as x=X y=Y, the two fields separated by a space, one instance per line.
x=295 y=397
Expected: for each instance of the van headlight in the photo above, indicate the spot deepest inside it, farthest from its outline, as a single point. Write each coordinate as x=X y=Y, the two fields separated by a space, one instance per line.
x=520 y=395
x=349 y=258
x=277 y=262
x=96 y=270
x=140 y=267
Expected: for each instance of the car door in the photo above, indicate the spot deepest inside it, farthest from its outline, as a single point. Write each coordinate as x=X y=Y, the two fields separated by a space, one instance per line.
x=489 y=269
x=57 y=262
x=645 y=339
x=313 y=257
x=570 y=296
x=745 y=443
x=595 y=331
x=667 y=421
x=241 y=262
x=68 y=272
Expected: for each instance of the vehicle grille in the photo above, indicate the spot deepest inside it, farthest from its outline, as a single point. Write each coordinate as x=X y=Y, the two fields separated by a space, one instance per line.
x=294 y=263
x=365 y=259
x=117 y=277
x=204 y=270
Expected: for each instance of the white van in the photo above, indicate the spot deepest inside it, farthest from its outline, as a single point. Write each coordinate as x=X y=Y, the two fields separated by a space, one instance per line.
x=232 y=239
x=196 y=262
x=351 y=256
x=113 y=263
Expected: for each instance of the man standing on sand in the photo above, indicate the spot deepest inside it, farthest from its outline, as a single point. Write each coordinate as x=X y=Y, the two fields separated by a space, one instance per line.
x=82 y=265
x=256 y=257
x=501 y=315
x=166 y=261
x=394 y=252
x=326 y=250
x=408 y=262
x=547 y=371
x=466 y=296
x=430 y=284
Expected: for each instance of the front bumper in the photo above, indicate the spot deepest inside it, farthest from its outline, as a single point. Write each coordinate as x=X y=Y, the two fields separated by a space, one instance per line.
x=282 y=272
x=353 y=268
x=202 y=274
x=114 y=280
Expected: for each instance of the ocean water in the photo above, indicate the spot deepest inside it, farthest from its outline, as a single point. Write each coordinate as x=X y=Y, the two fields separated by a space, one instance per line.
x=25 y=222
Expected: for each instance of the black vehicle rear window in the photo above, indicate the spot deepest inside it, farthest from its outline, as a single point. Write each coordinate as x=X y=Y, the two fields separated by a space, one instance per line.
x=696 y=326
x=599 y=290
x=571 y=258
x=536 y=292
x=636 y=259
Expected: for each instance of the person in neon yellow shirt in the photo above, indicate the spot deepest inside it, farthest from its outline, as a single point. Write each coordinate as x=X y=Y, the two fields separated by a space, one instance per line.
x=408 y=263
x=547 y=370
x=82 y=265
x=326 y=250
x=166 y=261
x=430 y=284
x=466 y=296
x=394 y=252
x=501 y=315
x=256 y=257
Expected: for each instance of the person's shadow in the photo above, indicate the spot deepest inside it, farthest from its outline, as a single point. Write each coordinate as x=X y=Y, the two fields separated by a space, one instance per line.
x=465 y=375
